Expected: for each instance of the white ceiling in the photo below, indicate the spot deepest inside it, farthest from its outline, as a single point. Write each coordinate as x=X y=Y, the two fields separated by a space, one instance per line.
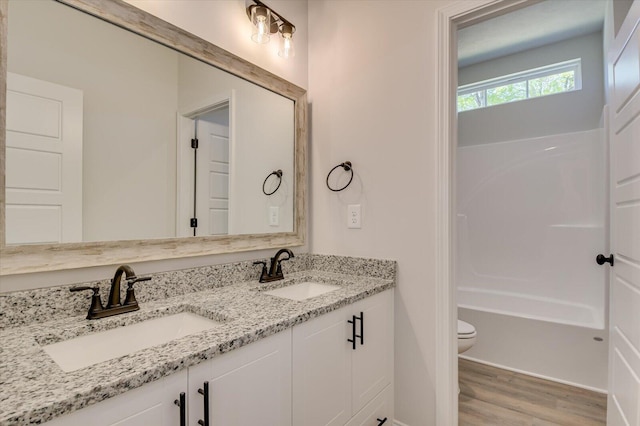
x=537 y=25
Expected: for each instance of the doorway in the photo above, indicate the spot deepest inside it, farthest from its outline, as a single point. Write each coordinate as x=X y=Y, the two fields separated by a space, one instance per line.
x=204 y=152
x=450 y=18
x=531 y=192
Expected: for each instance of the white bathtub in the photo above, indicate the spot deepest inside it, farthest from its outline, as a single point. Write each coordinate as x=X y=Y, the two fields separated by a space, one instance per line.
x=551 y=350
x=531 y=307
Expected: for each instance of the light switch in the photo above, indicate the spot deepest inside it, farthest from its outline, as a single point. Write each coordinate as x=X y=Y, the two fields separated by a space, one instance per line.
x=354 y=216
x=274 y=216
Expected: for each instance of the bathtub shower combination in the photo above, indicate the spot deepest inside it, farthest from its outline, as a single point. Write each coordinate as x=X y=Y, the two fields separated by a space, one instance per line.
x=531 y=219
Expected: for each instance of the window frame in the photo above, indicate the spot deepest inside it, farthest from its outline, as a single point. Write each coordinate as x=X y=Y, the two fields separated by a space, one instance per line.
x=574 y=65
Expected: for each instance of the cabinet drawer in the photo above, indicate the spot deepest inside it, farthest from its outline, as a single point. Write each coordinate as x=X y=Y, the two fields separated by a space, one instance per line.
x=378 y=412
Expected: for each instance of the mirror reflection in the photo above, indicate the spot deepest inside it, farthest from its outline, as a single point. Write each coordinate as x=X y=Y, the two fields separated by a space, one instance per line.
x=101 y=137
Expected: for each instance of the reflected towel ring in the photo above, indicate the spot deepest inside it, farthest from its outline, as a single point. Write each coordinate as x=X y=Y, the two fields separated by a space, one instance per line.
x=278 y=173
x=347 y=167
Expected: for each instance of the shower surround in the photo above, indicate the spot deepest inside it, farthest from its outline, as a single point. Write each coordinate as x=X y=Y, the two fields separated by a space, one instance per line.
x=531 y=219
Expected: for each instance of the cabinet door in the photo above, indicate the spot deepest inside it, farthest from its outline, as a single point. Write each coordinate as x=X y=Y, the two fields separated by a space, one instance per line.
x=372 y=362
x=151 y=404
x=322 y=371
x=378 y=412
x=247 y=386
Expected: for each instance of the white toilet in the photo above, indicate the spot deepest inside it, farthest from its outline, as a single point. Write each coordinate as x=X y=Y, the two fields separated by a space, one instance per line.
x=466 y=336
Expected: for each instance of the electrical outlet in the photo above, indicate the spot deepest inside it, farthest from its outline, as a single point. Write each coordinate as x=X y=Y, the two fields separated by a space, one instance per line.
x=274 y=216
x=354 y=216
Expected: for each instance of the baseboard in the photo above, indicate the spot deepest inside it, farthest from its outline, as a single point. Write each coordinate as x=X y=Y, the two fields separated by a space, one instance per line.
x=539 y=376
x=397 y=423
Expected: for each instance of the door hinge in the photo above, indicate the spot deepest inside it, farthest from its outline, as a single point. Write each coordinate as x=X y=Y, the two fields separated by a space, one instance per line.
x=194 y=143
x=194 y=222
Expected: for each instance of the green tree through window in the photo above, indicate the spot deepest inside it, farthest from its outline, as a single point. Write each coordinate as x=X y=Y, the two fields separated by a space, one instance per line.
x=549 y=80
x=551 y=84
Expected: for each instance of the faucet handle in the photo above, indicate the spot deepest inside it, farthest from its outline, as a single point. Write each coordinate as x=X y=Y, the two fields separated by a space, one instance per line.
x=96 y=303
x=263 y=263
x=96 y=289
x=130 y=299
x=133 y=279
x=263 y=273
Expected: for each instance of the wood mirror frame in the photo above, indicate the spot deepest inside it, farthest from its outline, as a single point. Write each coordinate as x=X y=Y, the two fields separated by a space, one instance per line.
x=22 y=259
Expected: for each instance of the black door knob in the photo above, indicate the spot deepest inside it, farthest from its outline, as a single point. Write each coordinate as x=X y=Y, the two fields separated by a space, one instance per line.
x=601 y=259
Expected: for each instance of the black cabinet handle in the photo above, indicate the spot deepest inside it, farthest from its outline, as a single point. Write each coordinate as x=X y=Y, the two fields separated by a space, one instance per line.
x=352 y=321
x=355 y=336
x=601 y=259
x=361 y=336
x=205 y=392
x=183 y=408
x=382 y=421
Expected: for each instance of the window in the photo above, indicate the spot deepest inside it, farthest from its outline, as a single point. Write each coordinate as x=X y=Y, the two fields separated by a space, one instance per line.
x=548 y=80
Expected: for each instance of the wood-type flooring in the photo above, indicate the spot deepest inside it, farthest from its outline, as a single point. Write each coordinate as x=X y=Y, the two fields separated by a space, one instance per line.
x=493 y=396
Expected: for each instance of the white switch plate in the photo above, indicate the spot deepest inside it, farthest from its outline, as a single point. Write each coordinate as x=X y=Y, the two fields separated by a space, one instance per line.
x=274 y=216
x=354 y=216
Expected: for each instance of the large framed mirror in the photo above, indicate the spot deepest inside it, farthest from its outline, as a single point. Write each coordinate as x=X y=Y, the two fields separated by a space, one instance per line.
x=124 y=138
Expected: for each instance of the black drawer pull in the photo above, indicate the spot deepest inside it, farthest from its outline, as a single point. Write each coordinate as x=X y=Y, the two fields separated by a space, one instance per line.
x=183 y=408
x=382 y=421
x=205 y=392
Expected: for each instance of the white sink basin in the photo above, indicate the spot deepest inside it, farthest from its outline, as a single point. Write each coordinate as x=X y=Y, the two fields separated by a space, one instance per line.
x=84 y=351
x=302 y=291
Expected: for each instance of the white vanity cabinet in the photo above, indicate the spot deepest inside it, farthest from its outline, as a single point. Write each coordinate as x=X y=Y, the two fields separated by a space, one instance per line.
x=151 y=404
x=247 y=386
x=332 y=381
x=309 y=375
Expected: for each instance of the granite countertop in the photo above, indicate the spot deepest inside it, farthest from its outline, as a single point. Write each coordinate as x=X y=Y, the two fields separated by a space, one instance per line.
x=35 y=389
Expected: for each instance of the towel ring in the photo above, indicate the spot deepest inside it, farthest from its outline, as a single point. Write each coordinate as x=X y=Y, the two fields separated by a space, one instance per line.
x=278 y=173
x=347 y=168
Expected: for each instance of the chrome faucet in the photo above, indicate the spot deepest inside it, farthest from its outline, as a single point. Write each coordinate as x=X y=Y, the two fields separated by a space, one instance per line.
x=275 y=268
x=114 y=307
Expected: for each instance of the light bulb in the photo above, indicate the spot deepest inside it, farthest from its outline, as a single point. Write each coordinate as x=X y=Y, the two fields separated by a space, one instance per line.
x=261 y=18
x=286 y=43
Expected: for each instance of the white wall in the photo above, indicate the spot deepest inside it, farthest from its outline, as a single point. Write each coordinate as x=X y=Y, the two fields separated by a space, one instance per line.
x=225 y=24
x=547 y=115
x=372 y=92
x=263 y=137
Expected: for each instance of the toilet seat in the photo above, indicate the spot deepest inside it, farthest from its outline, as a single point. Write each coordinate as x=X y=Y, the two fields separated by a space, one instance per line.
x=466 y=330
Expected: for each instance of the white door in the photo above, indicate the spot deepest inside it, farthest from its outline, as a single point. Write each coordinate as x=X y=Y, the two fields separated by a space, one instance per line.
x=212 y=190
x=44 y=162
x=372 y=363
x=150 y=404
x=623 y=406
x=322 y=371
x=209 y=187
x=247 y=386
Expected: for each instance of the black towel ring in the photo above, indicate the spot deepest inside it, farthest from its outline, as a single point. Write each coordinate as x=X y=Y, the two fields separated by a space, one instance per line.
x=347 y=168
x=278 y=173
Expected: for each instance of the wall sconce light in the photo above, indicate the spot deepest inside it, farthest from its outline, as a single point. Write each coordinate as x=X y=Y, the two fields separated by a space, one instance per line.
x=266 y=22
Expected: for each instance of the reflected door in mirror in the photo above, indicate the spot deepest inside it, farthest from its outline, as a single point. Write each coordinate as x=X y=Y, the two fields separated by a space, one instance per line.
x=44 y=162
